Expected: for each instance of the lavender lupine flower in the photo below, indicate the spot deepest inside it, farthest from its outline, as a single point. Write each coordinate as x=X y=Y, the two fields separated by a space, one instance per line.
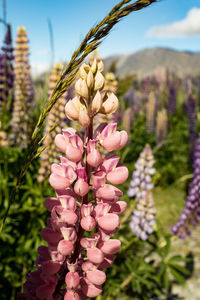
x=141 y=178
x=143 y=219
x=6 y=71
x=191 y=111
x=71 y=266
x=172 y=99
x=56 y=116
x=129 y=97
x=198 y=92
x=150 y=113
x=161 y=125
x=191 y=213
x=23 y=91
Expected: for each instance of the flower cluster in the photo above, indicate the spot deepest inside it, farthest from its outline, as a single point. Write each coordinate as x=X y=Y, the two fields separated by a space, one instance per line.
x=80 y=108
x=143 y=219
x=86 y=201
x=56 y=118
x=161 y=125
x=141 y=178
x=191 y=213
x=23 y=91
x=191 y=111
x=6 y=70
x=151 y=113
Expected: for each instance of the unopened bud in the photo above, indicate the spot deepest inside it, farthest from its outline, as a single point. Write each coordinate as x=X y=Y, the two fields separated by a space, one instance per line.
x=84 y=119
x=110 y=105
x=99 y=81
x=94 y=66
x=96 y=103
x=90 y=79
x=100 y=66
x=82 y=71
x=71 y=111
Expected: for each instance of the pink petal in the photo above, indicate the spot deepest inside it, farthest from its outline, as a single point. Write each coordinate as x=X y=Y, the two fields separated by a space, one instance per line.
x=118 y=175
x=94 y=158
x=58 y=182
x=90 y=290
x=111 y=246
x=95 y=255
x=60 y=142
x=69 y=217
x=71 y=295
x=81 y=187
x=88 y=266
x=73 y=153
x=119 y=207
x=107 y=262
x=123 y=140
x=65 y=247
x=88 y=223
x=72 y=280
x=112 y=142
x=96 y=277
x=67 y=202
x=109 y=222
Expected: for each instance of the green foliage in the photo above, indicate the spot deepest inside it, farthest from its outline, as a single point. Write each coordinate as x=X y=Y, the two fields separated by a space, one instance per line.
x=21 y=235
x=144 y=270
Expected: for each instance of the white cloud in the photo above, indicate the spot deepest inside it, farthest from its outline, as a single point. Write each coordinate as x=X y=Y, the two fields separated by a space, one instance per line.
x=188 y=27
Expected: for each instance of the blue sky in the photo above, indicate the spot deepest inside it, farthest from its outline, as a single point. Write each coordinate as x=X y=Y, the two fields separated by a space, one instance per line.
x=71 y=20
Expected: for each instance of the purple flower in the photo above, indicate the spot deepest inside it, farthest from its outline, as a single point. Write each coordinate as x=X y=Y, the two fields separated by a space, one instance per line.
x=191 y=213
x=143 y=219
x=6 y=71
x=191 y=111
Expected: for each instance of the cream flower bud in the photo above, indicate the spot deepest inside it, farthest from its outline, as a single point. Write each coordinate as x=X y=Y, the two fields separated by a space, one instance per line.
x=96 y=103
x=90 y=79
x=94 y=66
x=99 y=81
x=71 y=110
x=110 y=105
x=84 y=89
x=82 y=72
x=78 y=85
x=100 y=66
x=84 y=119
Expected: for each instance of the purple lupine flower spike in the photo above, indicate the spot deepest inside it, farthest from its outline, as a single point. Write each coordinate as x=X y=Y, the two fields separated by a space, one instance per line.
x=191 y=213
x=143 y=219
x=6 y=72
x=191 y=111
x=172 y=99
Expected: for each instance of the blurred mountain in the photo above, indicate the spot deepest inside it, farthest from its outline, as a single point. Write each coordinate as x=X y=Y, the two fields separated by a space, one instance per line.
x=154 y=60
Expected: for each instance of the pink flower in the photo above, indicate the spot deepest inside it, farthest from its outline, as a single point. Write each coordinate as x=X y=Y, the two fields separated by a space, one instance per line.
x=111 y=139
x=70 y=255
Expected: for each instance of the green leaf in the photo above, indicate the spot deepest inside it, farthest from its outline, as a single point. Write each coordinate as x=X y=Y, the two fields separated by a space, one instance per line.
x=177 y=275
x=180 y=269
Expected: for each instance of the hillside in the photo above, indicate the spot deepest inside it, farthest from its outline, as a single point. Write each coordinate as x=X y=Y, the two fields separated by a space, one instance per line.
x=150 y=61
